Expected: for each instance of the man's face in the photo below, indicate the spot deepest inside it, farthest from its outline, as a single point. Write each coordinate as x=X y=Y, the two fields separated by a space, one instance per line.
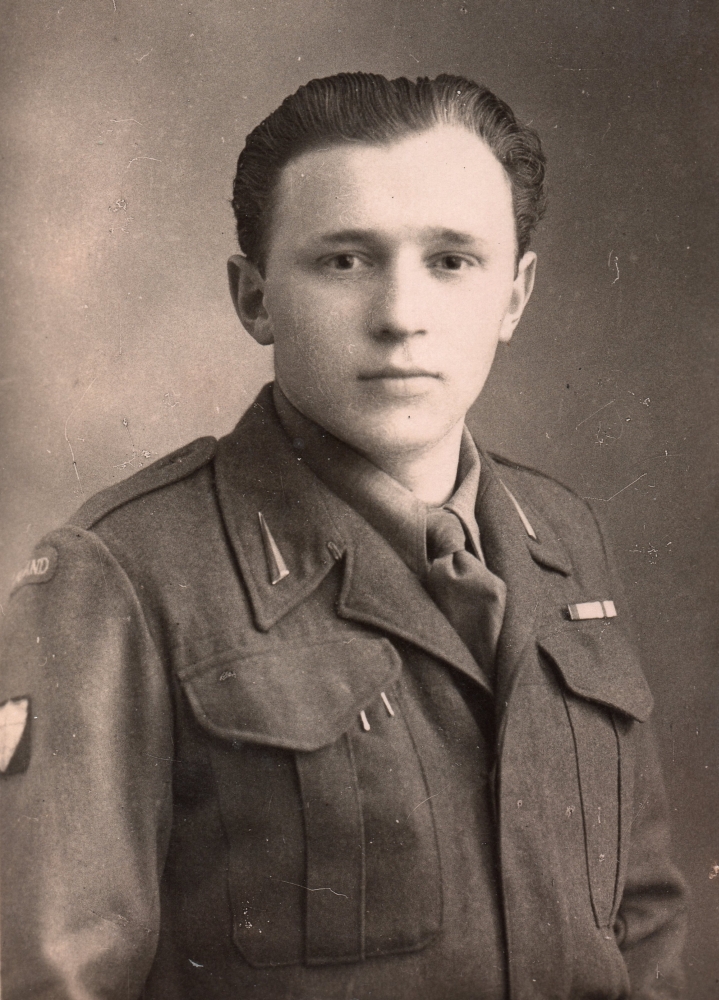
x=390 y=278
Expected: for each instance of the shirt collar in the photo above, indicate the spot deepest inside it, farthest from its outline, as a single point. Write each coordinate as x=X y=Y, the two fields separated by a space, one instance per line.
x=391 y=509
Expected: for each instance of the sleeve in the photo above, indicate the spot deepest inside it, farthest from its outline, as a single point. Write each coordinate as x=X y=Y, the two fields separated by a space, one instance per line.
x=85 y=778
x=651 y=922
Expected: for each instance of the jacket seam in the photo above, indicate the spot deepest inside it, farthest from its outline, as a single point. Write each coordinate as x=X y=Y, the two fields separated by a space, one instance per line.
x=363 y=874
x=430 y=803
x=621 y=846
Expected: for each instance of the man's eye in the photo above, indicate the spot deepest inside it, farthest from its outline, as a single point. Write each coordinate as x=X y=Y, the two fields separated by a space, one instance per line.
x=452 y=262
x=343 y=262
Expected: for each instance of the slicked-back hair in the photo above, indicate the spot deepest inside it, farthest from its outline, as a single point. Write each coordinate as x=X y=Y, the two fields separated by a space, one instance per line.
x=368 y=108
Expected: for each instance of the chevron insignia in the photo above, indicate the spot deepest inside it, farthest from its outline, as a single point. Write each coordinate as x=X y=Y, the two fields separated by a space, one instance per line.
x=14 y=715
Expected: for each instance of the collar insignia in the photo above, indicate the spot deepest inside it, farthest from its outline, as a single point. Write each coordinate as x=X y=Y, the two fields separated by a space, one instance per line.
x=275 y=563
x=522 y=516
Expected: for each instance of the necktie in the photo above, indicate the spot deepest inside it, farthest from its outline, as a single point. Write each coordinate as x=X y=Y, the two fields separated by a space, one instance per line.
x=471 y=596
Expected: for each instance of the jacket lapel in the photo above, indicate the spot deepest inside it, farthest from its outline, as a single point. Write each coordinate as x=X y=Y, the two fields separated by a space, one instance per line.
x=257 y=471
x=515 y=556
x=380 y=590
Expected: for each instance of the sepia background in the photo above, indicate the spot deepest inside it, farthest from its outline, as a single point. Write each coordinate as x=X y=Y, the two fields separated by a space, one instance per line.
x=122 y=121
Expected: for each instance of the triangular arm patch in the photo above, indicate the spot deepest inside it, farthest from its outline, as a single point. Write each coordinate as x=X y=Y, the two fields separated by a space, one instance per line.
x=14 y=735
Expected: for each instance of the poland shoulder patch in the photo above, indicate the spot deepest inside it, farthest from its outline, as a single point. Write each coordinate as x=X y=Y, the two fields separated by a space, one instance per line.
x=14 y=735
x=39 y=569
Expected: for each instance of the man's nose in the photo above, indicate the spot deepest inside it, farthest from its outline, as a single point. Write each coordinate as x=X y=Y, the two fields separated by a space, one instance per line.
x=399 y=310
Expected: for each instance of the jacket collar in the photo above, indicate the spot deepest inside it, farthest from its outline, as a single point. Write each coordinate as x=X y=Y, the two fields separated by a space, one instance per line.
x=395 y=512
x=544 y=546
x=513 y=555
x=257 y=470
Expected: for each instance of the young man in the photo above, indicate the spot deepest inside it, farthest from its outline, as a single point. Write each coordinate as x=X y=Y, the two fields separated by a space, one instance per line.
x=338 y=706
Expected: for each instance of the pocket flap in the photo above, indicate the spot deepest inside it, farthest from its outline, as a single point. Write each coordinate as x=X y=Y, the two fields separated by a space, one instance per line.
x=294 y=697
x=599 y=663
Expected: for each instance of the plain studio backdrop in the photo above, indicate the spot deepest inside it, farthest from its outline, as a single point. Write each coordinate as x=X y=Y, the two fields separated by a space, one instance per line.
x=122 y=122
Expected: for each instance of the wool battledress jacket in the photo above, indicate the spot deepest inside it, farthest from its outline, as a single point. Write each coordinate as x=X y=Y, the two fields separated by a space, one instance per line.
x=192 y=805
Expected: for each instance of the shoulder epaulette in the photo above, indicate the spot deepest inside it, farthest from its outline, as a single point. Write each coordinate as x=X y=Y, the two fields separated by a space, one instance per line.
x=512 y=466
x=170 y=469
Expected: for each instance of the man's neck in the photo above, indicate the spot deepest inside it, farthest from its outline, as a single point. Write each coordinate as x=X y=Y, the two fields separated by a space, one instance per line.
x=430 y=474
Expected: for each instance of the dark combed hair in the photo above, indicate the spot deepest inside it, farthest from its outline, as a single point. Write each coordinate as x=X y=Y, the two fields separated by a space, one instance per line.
x=366 y=107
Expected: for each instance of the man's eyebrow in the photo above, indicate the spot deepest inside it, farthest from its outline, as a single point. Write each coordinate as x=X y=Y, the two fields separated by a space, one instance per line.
x=438 y=234
x=342 y=236
x=453 y=236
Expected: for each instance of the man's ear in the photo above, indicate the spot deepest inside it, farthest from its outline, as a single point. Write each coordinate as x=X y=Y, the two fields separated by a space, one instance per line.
x=247 y=289
x=521 y=290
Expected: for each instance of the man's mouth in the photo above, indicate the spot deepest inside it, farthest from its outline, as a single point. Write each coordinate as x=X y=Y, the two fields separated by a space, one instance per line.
x=391 y=372
x=399 y=383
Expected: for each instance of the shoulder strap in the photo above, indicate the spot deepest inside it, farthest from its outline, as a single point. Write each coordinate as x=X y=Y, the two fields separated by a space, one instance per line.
x=170 y=469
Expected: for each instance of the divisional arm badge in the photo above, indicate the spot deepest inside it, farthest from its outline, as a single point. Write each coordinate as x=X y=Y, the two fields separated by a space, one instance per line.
x=14 y=736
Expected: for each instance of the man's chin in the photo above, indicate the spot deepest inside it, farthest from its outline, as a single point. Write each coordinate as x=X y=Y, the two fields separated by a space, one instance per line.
x=402 y=434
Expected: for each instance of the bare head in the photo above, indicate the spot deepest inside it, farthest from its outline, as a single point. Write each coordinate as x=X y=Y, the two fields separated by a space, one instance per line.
x=385 y=228
x=367 y=108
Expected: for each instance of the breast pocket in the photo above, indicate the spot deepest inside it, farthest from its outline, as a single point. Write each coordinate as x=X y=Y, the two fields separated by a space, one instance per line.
x=604 y=694
x=318 y=779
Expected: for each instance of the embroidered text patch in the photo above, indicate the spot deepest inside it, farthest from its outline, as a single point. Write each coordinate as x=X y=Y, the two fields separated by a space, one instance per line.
x=39 y=569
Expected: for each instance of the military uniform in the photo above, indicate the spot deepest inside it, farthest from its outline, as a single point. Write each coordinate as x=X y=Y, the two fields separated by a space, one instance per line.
x=224 y=786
